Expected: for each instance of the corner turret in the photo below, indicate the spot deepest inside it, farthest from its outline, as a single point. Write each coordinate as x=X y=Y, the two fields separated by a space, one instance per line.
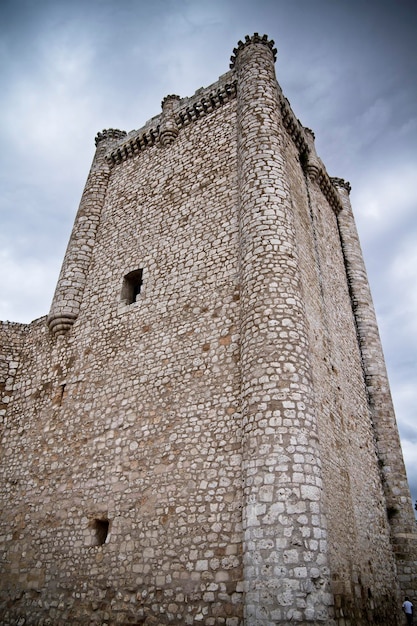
x=70 y=287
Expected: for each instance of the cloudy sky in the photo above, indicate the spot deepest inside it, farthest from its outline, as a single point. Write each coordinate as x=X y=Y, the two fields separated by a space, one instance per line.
x=349 y=68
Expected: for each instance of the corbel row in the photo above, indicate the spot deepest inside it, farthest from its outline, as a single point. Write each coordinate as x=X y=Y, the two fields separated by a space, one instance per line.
x=293 y=126
x=303 y=138
x=207 y=104
x=174 y=117
x=133 y=146
x=328 y=190
x=171 y=120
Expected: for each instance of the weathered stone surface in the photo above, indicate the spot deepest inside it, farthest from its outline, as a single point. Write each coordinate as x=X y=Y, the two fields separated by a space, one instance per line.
x=201 y=430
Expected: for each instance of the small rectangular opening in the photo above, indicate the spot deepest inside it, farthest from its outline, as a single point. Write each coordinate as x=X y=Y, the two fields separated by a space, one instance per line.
x=63 y=393
x=132 y=284
x=60 y=394
x=101 y=530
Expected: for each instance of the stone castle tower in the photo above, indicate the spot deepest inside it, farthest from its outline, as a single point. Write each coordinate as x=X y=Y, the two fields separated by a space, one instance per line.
x=201 y=430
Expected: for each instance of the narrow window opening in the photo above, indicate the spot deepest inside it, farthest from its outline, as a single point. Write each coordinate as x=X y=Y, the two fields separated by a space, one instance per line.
x=101 y=530
x=63 y=393
x=60 y=394
x=132 y=284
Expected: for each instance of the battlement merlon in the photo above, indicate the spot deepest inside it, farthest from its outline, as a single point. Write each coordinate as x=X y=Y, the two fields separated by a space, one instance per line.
x=256 y=38
x=109 y=136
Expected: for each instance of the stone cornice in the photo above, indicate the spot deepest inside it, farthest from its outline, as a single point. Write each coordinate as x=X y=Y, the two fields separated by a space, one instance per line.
x=207 y=104
x=249 y=41
x=297 y=133
x=188 y=111
x=293 y=126
x=325 y=183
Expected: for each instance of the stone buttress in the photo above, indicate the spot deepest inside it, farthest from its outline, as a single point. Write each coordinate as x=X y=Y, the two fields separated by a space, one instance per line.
x=71 y=282
x=393 y=474
x=283 y=506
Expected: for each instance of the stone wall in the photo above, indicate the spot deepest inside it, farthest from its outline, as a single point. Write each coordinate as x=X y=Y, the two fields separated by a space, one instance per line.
x=12 y=340
x=189 y=437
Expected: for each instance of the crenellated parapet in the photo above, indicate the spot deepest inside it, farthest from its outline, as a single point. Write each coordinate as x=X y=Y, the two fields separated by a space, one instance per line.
x=317 y=172
x=207 y=103
x=176 y=114
x=341 y=184
x=109 y=135
x=133 y=146
x=292 y=125
x=254 y=39
x=329 y=191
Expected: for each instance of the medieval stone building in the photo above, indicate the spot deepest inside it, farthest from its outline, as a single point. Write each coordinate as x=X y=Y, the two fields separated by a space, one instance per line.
x=201 y=430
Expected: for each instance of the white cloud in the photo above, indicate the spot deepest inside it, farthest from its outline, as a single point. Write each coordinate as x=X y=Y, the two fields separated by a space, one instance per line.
x=385 y=208
x=44 y=112
x=26 y=285
x=385 y=197
x=403 y=271
x=410 y=459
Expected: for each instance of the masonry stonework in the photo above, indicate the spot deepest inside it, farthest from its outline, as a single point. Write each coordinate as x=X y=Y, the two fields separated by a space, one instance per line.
x=201 y=430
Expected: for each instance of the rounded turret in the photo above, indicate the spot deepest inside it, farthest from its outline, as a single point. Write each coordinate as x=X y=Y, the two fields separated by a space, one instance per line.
x=71 y=282
x=275 y=366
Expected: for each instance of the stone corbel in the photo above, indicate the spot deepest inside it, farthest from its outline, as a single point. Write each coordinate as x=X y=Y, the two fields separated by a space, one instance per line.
x=313 y=165
x=168 y=129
